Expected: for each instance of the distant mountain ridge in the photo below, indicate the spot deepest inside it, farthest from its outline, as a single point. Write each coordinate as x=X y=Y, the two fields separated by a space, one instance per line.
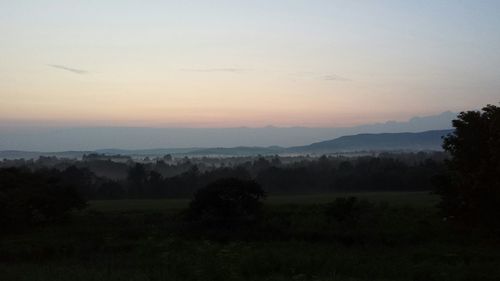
x=21 y=138
x=428 y=140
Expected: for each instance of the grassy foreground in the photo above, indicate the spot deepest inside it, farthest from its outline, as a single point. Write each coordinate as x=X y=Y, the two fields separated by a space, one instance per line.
x=401 y=238
x=416 y=199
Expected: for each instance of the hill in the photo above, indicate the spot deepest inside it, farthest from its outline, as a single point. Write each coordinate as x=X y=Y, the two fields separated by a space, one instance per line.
x=23 y=138
x=428 y=140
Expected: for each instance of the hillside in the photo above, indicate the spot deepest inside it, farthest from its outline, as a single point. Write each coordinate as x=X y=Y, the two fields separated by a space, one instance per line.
x=428 y=140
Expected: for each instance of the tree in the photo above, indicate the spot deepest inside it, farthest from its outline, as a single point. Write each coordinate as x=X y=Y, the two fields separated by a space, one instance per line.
x=136 y=178
x=227 y=200
x=80 y=178
x=28 y=198
x=471 y=191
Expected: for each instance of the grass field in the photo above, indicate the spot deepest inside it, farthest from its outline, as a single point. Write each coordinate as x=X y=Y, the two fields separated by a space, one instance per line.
x=400 y=237
x=417 y=199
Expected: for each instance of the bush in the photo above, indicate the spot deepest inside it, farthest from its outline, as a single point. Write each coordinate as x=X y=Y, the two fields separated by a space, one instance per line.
x=28 y=198
x=346 y=211
x=227 y=200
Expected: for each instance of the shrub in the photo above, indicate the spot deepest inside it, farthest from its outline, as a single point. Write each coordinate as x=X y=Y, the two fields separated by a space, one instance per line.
x=28 y=198
x=346 y=211
x=226 y=200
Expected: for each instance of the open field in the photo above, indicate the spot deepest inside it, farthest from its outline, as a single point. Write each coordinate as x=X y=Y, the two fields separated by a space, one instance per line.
x=417 y=199
x=138 y=240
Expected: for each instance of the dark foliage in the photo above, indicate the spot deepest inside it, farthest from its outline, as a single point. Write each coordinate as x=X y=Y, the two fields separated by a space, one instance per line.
x=345 y=210
x=227 y=200
x=28 y=198
x=104 y=179
x=328 y=174
x=470 y=192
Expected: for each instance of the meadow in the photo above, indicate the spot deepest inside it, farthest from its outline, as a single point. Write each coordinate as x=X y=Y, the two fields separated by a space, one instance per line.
x=398 y=236
x=417 y=199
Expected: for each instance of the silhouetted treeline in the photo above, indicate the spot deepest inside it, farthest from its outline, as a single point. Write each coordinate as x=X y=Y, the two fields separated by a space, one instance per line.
x=44 y=196
x=106 y=179
x=361 y=174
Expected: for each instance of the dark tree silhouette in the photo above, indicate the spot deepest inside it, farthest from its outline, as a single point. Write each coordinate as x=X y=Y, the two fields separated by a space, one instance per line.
x=28 y=198
x=136 y=178
x=344 y=210
x=228 y=199
x=471 y=192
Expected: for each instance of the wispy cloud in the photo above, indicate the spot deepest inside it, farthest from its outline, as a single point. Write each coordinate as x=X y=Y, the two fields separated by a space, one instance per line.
x=333 y=77
x=303 y=74
x=222 y=69
x=70 y=69
x=319 y=76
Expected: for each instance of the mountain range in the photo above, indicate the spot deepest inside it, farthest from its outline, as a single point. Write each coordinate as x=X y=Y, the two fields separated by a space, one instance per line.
x=59 y=139
x=422 y=141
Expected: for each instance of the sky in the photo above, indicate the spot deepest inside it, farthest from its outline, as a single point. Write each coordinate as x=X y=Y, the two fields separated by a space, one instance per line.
x=312 y=63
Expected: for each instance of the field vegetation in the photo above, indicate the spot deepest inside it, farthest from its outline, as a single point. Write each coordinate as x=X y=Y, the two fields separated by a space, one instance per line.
x=393 y=236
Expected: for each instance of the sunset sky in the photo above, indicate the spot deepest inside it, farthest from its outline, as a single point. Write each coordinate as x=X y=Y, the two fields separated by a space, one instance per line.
x=244 y=63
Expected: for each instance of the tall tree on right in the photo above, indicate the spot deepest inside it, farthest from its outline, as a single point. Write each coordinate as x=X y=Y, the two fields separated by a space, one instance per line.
x=471 y=192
